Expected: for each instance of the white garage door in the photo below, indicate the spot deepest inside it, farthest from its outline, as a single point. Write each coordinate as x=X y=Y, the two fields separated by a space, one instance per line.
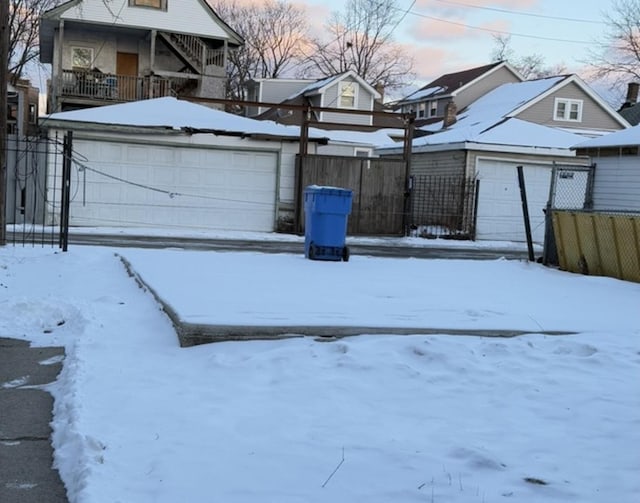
x=499 y=216
x=137 y=185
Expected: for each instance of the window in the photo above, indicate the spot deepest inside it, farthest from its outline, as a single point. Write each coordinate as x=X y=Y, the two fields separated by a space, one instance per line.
x=362 y=152
x=81 y=57
x=33 y=113
x=154 y=4
x=347 y=95
x=568 y=110
x=422 y=107
x=433 y=109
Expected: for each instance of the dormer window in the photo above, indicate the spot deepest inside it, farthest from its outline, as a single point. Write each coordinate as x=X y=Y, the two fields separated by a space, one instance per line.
x=153 y=4
x=347 y=95
x=567 y=110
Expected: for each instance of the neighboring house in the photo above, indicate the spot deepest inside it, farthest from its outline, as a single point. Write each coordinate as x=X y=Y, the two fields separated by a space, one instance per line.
x=616 y=184
x=126 y=50
x=346 y=91
x=22 y=108
x=272 y=91
x=169 y=163
x=532 y=124
x=429 y=103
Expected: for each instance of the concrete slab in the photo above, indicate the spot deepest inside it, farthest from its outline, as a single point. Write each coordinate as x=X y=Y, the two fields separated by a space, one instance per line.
x=26 y=455
x=22 y=416
x=20 y=366
x=26 y=475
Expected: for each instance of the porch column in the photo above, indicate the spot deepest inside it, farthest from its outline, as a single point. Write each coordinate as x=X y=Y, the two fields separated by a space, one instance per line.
x=152 y=54
x=225 y=55
x=152 y=63
x=56 y=81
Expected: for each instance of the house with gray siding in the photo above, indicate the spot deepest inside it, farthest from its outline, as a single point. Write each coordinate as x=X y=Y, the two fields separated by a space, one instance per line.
x=533 y=124
x=616 y=184
x=346 y=91
x=460 y=88
x=127 y=50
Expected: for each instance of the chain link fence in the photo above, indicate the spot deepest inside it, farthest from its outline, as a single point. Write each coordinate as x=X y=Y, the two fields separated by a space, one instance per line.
x=571 y=189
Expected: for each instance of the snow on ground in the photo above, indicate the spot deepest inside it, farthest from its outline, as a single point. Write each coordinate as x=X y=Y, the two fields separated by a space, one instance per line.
x=373 y=418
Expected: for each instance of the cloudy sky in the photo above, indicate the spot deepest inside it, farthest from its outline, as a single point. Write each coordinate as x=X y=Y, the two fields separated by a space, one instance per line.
x=450 y=35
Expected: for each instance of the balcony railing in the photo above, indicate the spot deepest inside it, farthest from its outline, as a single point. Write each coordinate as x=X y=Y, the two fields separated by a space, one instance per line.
x=116 y=88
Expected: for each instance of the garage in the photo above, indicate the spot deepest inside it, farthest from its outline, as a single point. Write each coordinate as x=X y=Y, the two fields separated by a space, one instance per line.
x=116 y=183
x=499 y=215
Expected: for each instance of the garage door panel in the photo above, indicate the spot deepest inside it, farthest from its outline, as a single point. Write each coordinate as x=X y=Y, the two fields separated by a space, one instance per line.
x=499 y=215
x=218 y=189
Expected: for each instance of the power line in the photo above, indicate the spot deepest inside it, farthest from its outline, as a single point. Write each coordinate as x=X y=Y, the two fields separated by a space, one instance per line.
x=489 y=30
x=521 y=13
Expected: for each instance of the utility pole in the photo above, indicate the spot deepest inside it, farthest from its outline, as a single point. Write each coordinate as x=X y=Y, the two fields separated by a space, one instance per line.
x=4 y=77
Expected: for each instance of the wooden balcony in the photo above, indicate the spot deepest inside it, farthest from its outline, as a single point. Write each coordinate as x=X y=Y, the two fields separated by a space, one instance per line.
x=104 y=87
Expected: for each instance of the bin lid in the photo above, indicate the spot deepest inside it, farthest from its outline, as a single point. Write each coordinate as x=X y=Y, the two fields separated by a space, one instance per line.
x=323 y=189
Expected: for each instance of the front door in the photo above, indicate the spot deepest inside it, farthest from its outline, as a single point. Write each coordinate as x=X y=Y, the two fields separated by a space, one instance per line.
x=127 y=70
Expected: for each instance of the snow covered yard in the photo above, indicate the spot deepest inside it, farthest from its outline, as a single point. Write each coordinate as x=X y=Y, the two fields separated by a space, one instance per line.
x=374 y=418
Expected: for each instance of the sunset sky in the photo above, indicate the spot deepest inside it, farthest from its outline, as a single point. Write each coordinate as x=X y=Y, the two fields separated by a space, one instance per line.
x=451 y=35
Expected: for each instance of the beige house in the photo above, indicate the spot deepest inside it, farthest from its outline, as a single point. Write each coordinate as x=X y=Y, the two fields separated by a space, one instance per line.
x=126 y=50
x=532 y=124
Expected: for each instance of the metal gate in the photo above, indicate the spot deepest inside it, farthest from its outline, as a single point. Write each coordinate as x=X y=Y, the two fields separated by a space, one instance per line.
x=443 y=206
x=571 y=188
x=34 y=216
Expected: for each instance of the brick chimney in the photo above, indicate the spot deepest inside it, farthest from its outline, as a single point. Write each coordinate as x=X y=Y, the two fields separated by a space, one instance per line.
x=632 y=94
x=380 y=88
x=450 y=112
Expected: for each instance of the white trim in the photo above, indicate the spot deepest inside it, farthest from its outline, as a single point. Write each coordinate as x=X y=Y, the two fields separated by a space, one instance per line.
x=340 y=78
x=507 y=149
x=568 y=104
x=341 y=85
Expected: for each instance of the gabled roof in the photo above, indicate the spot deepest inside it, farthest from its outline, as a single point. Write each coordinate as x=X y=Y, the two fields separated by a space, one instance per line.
x=319 y=86
x=116 y=13
x=451 y=84
x=574 y=79
x=625 y=138
x=491 y=120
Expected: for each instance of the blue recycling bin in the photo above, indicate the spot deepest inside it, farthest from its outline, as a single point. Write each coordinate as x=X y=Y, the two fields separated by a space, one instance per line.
x=325 y=224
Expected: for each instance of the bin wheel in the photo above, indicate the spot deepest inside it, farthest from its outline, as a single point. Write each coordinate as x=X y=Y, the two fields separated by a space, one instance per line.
x=345 y=254
x=312 y=251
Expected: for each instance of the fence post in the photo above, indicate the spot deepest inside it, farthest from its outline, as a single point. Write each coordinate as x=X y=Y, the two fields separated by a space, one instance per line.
x=67 y=150
x=525 y=212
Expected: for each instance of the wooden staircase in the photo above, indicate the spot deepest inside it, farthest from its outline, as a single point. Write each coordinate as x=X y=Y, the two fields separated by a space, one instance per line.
x=193 y=51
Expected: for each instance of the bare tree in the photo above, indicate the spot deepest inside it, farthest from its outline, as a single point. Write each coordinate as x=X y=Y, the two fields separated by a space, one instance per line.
x=530 y=66
x=360 y=38
x=274 y=33
x=617 y=57
x=24 y=17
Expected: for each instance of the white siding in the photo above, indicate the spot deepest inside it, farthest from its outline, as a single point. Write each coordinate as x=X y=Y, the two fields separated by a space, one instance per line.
x=181 y=16
x=617 y=183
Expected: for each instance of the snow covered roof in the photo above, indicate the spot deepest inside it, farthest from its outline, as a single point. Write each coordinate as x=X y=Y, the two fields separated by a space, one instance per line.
x=489 y=120
x=623 y=138
x=451 y=83
x=171 y=113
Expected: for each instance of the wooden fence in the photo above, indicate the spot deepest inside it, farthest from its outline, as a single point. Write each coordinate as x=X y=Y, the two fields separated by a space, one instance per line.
x=600 y=244
x=379 y=190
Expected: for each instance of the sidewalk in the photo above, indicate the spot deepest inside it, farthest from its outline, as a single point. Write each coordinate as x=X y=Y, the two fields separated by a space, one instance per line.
x=26 y=455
